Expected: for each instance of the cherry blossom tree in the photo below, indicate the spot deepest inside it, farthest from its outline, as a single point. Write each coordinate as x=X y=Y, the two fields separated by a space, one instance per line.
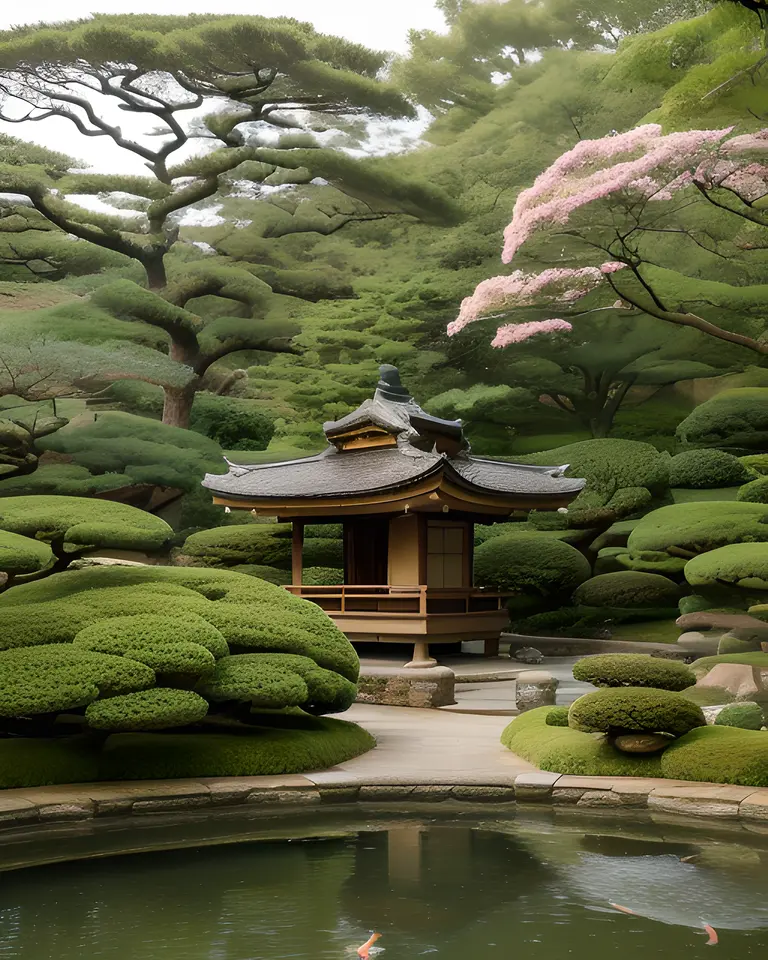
x=612 y=195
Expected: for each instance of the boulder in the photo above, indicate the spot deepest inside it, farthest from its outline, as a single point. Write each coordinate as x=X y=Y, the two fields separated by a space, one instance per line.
x=702 y=644
x=742 y=680
x=712 y=713
x=535 y=688
x=641 y=742
x=712 y=620
x=528 y=655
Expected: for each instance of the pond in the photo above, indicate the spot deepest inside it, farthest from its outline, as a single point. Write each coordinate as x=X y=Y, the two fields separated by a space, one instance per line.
x=456 y=887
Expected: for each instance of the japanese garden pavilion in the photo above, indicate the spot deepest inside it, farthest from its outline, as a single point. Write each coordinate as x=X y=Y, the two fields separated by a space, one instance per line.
x=408 y=493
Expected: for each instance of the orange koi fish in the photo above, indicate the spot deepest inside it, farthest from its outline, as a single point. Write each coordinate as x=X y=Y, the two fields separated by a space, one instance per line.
x=364 y=951
x=713 y=938
x=618 y=906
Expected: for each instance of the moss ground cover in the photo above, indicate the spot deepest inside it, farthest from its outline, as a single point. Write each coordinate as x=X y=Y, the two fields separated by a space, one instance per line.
x=712 y=753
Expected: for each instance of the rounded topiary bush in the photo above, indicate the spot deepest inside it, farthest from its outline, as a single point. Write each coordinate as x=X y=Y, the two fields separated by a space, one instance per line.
x=557 y=717
x=756 y=491
x=628 y=588
x=746 y=716
x=267 y=544
x=734 y=420
x=635 y=710
x=634 y=670
x=233 y=422
x=322 y=576
x=155 y=709
x=707 y=469
x=743 y=565
x=532 y=565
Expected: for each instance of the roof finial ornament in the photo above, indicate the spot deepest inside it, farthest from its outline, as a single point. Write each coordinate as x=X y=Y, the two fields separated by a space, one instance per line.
x=389 y=386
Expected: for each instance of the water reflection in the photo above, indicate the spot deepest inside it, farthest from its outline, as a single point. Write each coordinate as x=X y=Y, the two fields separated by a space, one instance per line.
x=459 y=890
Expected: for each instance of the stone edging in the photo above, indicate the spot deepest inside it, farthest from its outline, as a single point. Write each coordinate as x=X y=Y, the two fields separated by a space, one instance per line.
x=82 y=802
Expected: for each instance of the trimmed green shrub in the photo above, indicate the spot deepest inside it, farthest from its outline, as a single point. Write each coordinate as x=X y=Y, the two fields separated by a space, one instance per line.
x=628 y=589
x=49 y=679
x=147 y=710
x=322 y=576
x=722 y=754
x=564 y=750
x=708 y=696
x=608 y=560
x=676 y=533
x=20 y=555
x=143 y=450
x=734 y=420
x=634 y=709
x=38 y=762
x=557 y=717
x=62 y=479
x=754 y=492
x=268 y=544
x=757 y=462
x=234 y=423
x=270 y=574
x=633 y=670
x=742 y=565
x=706 y=469
x=323 y=552
x=80 y=522
x=530 y=565
x=745 y=716
x=117 y=634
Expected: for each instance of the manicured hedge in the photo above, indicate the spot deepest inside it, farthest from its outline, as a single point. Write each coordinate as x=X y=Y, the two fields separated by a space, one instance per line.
x=557 y=717
x=756 y=491
x=147 y=710
x=117 y=634
x=708 y=753
x=20 y=555
x=707 y=469
x=634 y=709
x=83 y=522
x=563 y=750
x=684 y=530
x=253 y=543
x=745 y=716
x=628 y=589
x=531 y=565
x=234 y=423
x=742 y=565
x=733 y=420
x=633 y=670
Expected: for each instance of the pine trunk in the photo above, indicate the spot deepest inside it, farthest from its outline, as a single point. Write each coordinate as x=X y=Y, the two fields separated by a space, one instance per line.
x=177 y=405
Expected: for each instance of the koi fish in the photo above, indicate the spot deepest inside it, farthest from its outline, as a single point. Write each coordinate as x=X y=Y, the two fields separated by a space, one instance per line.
x=713 y=938
x=364 y=951
x=618 y=906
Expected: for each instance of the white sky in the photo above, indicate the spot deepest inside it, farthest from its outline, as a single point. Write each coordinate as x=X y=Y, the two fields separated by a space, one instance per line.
x=382 y=26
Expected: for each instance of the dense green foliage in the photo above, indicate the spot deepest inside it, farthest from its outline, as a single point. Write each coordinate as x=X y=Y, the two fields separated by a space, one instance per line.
x=745 y=716
x=756 y=491
x=634 y=670
x=627 y=589
x=634 y=709
x=706 y=753
x=734 y=420
x=234 y=424
x=707 y=469
x=743 y=565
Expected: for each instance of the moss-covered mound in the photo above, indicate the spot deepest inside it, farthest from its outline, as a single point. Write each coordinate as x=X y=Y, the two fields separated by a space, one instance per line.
x=742 y=565
x=634 y=670
x=251 y=543
x=707 y=469
x=530 y=566
x=663 y=540
x=563 y=750
x=21 y=555
x=721 y=754
x=276 y=744
x=626 y=592
x=708 y=753
x=745 y=716
x=734 y=420
x=756 y=491
x=635 y=710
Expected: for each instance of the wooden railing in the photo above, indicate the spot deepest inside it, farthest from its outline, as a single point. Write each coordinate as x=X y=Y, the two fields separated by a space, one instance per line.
x=418 y=600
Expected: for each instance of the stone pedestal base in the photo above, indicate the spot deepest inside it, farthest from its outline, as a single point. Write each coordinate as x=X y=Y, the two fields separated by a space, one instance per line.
x=412 y=686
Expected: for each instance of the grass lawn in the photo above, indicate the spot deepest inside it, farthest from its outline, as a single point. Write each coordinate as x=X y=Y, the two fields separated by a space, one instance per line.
x=650 y=631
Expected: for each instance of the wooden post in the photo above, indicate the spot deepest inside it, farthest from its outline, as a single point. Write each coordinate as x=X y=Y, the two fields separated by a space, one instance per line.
x=297 y=546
